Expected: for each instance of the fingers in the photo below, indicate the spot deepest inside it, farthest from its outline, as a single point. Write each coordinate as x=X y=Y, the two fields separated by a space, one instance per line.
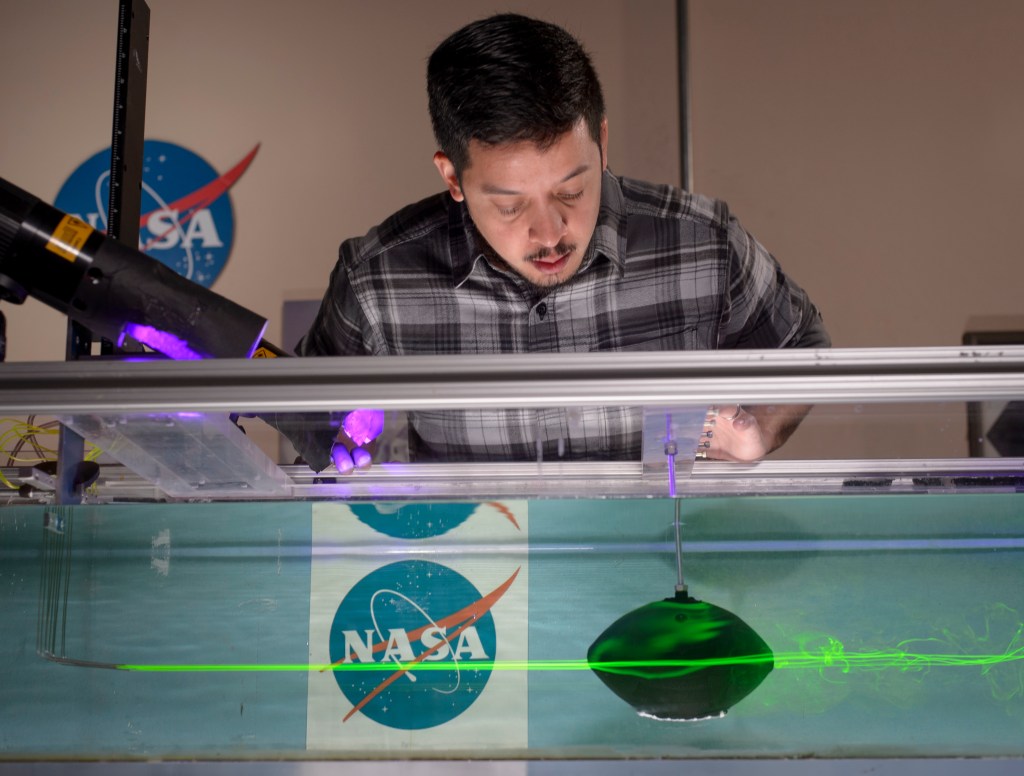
x=345 y=460
x=706 y=434
x=706 y=442
x=342 y=458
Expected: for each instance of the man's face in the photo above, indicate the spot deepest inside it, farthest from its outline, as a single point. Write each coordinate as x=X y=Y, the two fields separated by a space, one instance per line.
x=536 y=208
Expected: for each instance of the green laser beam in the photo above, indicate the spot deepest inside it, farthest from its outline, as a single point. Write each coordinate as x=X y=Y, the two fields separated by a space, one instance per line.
x=834 y=657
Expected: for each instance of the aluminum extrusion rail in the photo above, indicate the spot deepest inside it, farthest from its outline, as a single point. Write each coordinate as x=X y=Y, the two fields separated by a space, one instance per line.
x=606 y=479
x=515 y=381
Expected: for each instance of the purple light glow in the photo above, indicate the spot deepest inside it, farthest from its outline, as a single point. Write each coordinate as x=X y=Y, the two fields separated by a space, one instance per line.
x=166 y=343
x=363 y=426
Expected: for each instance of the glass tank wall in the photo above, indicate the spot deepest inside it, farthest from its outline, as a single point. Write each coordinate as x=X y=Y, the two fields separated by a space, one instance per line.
x=866 y=601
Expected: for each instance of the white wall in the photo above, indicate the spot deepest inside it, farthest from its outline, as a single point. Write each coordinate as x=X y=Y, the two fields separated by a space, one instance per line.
x=876 y=148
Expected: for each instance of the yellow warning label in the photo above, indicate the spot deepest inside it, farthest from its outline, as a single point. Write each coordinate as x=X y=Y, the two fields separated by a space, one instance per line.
x=69 y=237
x=264 y=353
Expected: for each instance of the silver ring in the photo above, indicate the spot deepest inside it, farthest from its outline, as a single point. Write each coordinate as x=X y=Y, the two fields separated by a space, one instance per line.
x=739 y=409
x=701 y=455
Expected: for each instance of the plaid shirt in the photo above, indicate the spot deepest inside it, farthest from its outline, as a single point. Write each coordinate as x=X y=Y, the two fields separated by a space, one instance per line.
x=665 y=270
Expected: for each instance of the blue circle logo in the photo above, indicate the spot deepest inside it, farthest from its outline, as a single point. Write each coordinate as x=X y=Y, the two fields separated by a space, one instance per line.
x=187 y=221
x=413 y=644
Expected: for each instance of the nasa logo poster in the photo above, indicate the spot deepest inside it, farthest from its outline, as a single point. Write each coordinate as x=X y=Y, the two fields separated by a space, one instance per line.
x=186 y=222
x=417 y=611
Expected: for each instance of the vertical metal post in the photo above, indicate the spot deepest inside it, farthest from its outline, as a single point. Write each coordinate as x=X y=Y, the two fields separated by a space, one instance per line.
x=128 y=126
x=125 y=203
x=677 y=525
x=683 y=39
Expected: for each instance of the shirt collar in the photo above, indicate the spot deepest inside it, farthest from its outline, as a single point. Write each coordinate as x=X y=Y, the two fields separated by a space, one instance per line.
x=608 y=242
x=463 y=242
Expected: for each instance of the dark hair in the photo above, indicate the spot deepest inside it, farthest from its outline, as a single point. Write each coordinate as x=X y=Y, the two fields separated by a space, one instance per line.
x=510 y=78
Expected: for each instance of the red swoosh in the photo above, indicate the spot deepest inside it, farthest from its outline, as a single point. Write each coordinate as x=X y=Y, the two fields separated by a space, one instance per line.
x=506 y=512
x=201 y=198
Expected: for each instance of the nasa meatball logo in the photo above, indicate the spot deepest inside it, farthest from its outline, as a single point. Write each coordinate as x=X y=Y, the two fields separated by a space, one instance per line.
x=430 y=633
x=187 y=220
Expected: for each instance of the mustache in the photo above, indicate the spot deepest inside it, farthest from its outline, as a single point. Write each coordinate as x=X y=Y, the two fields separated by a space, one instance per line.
x=559 y=250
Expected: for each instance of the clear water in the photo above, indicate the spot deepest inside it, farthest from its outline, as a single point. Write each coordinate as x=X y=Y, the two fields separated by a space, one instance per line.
x=201 y=630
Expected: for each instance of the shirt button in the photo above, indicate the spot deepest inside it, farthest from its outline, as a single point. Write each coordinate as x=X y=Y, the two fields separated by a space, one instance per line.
x=542 y=310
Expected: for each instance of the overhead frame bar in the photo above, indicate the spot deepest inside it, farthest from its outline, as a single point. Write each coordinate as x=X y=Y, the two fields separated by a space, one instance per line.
x=514 y=381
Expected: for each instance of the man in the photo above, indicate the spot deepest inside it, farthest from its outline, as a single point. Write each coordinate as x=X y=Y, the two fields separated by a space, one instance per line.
x=536 y=247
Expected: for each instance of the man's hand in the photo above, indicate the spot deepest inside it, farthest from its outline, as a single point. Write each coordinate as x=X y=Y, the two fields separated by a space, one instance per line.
x=358 y=430
x=746 y=434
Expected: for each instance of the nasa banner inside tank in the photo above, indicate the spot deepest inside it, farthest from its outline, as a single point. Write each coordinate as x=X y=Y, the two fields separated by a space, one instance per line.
x=410 y=610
